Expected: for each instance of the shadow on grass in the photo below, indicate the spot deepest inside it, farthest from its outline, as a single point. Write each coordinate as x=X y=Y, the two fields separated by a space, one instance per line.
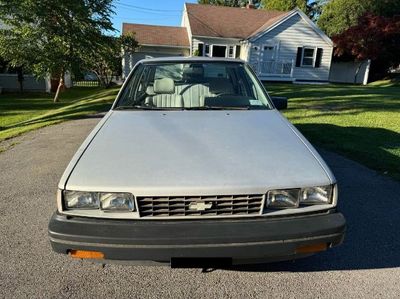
x=77 y=103
x=376 y=148
x=338 y=97
x=360 y=103
x=78 y=111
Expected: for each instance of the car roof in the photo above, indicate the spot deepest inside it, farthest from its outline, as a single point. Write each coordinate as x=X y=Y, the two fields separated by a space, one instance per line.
x=189 y=59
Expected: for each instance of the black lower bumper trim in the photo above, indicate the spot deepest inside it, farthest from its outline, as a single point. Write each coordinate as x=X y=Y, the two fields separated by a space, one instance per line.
x=186 y=240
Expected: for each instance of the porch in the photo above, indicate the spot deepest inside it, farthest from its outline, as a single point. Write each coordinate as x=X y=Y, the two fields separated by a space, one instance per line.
x=274 y=70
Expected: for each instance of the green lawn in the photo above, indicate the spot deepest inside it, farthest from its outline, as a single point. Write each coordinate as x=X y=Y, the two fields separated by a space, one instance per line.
x=360 y=122
x=20 y=113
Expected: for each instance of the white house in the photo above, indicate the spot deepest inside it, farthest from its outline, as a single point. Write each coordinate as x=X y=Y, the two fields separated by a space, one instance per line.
x=281 y=46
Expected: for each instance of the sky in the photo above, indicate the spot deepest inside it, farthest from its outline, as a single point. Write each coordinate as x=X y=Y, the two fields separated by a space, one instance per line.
x=153 y=12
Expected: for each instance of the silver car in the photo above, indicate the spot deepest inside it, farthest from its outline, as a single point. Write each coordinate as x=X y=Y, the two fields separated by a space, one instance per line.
x=195 y=166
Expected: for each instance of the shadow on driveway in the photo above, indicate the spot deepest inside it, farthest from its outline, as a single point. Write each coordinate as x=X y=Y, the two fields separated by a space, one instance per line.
x=371 y=205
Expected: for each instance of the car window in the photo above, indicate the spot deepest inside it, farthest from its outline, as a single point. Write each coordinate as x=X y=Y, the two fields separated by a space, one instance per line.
x=194 y=85
x=173 y=71
x=215 y=71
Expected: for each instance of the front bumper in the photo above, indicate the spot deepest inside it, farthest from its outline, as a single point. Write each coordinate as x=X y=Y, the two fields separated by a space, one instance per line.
x=239 y=240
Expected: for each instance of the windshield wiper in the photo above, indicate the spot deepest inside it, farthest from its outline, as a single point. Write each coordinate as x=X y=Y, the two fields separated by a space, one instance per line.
x=204 y=108
x=219 y=108
x=139 y=107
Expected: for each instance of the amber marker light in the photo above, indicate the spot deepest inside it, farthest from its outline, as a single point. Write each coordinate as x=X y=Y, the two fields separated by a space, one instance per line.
x=86 y=254
x=312 y=248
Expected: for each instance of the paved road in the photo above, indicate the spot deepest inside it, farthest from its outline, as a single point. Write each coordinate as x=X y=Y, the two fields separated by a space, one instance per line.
x=367 y=265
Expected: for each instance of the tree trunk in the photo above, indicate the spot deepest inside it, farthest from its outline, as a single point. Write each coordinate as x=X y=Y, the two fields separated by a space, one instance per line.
x=20 y=76
x=21 y=86
x=59 y=88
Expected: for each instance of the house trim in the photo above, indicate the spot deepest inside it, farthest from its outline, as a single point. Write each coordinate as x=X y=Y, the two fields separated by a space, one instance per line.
x=185 y=19
x=294 y=12
x=165 y=46
x=221 y=37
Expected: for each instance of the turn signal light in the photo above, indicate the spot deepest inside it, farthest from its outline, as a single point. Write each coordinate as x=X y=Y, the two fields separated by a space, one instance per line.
x=312 y=248
x=86 y=254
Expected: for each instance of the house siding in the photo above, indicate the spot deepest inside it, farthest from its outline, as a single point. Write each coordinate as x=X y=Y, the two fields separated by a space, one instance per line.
x=9 y=82
x=291 y=34
x=185 y=23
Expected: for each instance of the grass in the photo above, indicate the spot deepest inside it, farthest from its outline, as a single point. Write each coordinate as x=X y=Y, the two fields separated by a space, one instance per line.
x=20 y=113
x=360 y=122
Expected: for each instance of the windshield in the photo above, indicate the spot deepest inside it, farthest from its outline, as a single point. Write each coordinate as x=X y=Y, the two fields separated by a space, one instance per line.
x=197 y=86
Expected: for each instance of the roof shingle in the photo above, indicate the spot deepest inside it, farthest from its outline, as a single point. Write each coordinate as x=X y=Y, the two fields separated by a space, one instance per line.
x=158 y=35
x=233 y=22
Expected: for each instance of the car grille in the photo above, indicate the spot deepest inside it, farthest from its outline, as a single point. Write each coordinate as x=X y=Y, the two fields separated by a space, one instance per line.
x=200 y=206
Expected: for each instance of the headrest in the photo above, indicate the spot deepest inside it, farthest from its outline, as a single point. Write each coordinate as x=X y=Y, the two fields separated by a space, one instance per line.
x=150 y=91
x=165 y=85
x=221 y=86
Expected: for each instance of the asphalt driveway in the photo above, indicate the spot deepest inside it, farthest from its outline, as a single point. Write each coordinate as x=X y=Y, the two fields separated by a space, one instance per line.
x=366 y=265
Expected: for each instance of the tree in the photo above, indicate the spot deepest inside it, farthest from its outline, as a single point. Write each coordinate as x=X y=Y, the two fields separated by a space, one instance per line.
x=16 y=56
x=106 y=60
x=374 y=37
x=338 y=15
x=50 y=35
x=386 y=8
x=232 y=3
x=284 y=5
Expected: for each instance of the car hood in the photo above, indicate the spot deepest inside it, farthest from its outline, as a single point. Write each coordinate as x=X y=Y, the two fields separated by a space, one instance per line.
x=196 y=153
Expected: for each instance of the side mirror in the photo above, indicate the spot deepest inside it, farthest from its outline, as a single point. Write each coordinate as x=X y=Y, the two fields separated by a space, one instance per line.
x=280 y=103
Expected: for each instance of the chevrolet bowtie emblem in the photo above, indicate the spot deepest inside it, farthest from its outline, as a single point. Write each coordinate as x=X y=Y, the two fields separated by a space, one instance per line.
x=200 y=206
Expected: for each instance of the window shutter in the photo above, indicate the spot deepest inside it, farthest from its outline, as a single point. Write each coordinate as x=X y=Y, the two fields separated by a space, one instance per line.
x=200 y=49
x=319 y=57
x=298 y=58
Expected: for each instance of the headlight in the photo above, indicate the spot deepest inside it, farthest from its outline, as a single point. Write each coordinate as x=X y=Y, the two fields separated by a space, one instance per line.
x=282 y=199
x=293 y=198
x=316 y=195
x=81 y=200
x=117 y=202
x=121 y=202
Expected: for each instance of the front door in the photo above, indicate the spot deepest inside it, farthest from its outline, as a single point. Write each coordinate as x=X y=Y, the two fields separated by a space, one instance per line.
x=269 y=52
x=268 y=59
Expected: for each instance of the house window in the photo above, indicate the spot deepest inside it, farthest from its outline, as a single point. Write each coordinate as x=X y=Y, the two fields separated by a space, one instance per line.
x=200 y=49
x=221 y=50
x=308 y=57
x=207 y=50
x=237 y=55
x=231 y=52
